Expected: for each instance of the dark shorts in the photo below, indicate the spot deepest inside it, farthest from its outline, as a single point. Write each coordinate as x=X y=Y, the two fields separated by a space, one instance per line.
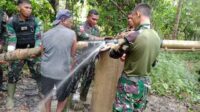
x=47 y=84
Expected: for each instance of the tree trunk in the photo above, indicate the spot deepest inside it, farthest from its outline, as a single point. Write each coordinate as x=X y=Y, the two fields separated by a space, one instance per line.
x=67 y=5
x=177 y=19
x=138 y=1
x=54 y=4
x=20 y=54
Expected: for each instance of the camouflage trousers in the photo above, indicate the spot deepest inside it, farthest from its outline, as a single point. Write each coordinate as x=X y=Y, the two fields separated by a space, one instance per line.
x=15 y=69
x=87 y=80
x=86 y=73
x=131 y=95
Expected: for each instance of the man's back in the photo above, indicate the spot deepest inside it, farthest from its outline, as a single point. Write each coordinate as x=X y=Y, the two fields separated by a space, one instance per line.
x=57 y=43
x=142 y=53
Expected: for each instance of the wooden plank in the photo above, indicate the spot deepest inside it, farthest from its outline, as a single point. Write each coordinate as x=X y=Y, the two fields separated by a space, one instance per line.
x=107 y=72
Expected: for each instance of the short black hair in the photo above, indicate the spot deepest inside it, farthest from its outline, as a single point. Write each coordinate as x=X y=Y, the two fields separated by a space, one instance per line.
x=23 y=1
x=145 y=9
x=93 y=11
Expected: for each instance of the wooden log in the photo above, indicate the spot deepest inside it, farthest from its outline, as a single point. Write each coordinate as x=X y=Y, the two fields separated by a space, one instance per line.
x=180 y=44
x=107 y=72
x=19 y=54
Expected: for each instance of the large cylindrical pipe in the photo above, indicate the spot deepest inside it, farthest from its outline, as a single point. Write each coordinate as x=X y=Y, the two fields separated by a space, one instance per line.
x=107 y=72
x=180 y=44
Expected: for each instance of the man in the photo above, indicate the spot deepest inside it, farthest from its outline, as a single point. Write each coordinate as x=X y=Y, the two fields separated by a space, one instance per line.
x=131 y=25
x=23 y=32
x=3 y=20
x=88 y=31
x=124 y=33
x=141 y=48
x=59 y=45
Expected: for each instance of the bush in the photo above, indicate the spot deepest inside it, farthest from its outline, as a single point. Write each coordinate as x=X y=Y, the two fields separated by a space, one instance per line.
x=174 y=76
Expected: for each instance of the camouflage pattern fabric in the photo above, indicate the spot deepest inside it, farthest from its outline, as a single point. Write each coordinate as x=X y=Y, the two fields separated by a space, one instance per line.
x=87 y=77
x=85 y=32
x=131 y=96
x=86 y=72
x=12 y=39
x=16 y=68
x=33 y=64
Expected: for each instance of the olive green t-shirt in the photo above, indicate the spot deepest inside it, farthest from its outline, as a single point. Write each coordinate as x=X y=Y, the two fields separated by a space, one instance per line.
x=142 y=53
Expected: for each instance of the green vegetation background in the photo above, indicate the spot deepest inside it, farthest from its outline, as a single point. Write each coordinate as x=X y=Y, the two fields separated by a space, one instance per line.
x=176 y=74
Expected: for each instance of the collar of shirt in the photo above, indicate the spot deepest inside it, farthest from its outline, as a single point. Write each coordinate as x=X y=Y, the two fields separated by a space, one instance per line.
x=144 y=25
x=87 y=26
x=29 y=18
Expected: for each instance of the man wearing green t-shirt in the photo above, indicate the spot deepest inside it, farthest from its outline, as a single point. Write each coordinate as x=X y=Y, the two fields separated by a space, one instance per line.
x=141 y=48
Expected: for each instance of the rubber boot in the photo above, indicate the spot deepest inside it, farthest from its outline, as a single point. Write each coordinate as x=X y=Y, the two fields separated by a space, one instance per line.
x=10 y=98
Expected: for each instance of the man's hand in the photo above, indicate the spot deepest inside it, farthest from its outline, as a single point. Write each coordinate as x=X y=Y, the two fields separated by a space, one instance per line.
x=121 y=35
x=123 y=58
x=107 y=47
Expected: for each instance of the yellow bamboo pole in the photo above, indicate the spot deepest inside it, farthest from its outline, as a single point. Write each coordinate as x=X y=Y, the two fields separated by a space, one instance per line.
x=181 y=50
x=180 y=44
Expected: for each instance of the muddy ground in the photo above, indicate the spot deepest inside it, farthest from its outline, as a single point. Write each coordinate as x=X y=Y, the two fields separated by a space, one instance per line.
x=27 y=100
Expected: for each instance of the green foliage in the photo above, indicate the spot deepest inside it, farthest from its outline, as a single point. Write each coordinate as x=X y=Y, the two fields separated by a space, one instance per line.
x=174 y=76
x=8 y=6
x=112 y=17
x=43 y=10
x=163 y=17
x=189 y=23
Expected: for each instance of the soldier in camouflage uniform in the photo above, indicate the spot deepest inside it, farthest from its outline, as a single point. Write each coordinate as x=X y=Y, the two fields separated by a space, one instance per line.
x=3 y=20
x=88 y=31
x=130 y=27
x=141 y=47
x=23 y=32
x=125 y=32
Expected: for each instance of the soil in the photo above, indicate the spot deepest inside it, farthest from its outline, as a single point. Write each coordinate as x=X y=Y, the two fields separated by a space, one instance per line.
x=27 y=100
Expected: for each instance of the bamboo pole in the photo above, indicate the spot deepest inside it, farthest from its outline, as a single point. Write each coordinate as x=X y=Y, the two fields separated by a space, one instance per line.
x=107 y=72
x=180 y=44
x=168 y=45
x=181 y=50
x=20 y=54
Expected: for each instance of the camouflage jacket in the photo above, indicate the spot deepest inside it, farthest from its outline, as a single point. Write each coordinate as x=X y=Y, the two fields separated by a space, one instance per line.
x=3 y=17
x=85 y=32
x=12 y=39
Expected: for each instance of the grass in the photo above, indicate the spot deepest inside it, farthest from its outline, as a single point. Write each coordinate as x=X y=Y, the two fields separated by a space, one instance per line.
x=176 y=74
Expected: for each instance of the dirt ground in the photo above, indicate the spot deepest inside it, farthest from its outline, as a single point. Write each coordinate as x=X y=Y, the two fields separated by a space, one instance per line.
x=27 y=100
